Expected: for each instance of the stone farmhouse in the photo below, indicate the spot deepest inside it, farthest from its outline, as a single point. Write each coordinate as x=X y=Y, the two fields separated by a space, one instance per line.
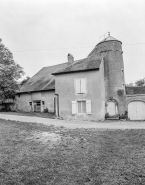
x=88 y=89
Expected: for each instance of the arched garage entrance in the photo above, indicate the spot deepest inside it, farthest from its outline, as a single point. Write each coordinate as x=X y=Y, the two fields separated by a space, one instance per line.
x=136 y=110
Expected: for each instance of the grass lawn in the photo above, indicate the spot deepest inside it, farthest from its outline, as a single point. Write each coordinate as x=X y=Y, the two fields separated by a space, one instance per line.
x=36 y=114
x=32 y=154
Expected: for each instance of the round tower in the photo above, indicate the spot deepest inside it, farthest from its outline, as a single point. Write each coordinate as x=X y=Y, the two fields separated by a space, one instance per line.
x=110 y=49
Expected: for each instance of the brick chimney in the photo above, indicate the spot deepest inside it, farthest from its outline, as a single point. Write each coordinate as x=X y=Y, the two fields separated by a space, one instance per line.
x=70 y=58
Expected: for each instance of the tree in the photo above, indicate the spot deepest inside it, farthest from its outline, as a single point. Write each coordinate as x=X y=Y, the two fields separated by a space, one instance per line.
x=10 y=72
x=140 y=82
x=129 y=85
x=25 y=80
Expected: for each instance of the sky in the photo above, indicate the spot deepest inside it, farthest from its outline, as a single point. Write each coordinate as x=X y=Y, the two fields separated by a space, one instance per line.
x=41 y=33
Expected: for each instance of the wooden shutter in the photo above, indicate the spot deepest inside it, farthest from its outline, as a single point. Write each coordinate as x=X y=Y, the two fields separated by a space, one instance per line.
x=83 y=85
x=77 y=86
x=88 y=106
x=74 y=107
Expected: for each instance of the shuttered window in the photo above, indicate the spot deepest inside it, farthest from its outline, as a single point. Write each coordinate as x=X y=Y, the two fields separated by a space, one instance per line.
x=82 y=106
x=80 y=86
x=74 y=107
x=83 y=85
x=88 y=106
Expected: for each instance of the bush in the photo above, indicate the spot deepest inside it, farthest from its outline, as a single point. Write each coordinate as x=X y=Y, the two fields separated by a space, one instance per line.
x=107 y=115
x=46 y=110
x=124 y=116
x=120 y=92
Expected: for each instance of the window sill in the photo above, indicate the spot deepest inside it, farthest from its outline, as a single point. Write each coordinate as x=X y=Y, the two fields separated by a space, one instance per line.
x=81 y=113
x=80 y=93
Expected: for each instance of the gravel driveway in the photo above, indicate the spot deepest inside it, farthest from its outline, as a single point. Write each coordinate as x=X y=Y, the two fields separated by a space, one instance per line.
x=74 y=124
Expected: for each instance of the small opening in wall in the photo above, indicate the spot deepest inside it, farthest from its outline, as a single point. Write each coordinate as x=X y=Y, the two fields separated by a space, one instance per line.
x=19 y=95
x=43 y=103
x=122 y=72
x=30 y=103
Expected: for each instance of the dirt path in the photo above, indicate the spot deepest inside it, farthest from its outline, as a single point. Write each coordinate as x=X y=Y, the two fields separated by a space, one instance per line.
x=73 y=124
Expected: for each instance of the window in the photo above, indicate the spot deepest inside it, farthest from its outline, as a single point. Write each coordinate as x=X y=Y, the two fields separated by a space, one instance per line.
x=30 y=103
x=38 y=103
x=43 y=103
x=37 y=106
x=122 y=72
x=81 y=106
x=80 y=85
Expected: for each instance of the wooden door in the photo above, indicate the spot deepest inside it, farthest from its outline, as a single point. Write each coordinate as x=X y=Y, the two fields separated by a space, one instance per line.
x=111 y=108
x=136 y=110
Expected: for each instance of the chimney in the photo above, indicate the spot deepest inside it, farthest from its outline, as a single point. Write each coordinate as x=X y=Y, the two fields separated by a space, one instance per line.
x=70 y=58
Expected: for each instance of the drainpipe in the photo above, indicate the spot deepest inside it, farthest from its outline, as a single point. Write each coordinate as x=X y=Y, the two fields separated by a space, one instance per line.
x=57 y=104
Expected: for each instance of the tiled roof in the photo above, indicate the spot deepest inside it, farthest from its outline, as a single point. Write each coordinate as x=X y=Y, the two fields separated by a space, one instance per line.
x=108 y=38
x=81 y=65
x=135 y=90
x=43 y=80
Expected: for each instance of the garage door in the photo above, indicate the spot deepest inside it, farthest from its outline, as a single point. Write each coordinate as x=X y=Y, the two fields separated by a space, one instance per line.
x=136 y=110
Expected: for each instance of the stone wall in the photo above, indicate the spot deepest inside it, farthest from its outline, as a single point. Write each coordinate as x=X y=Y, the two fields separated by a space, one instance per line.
x=22 y=100
x=65 y=88
x=112 y=53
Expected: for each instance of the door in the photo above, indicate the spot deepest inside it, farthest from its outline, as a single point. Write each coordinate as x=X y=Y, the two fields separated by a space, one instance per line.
x=111 y=108
x=37 y=106
x=56 y=105
x=136 y=110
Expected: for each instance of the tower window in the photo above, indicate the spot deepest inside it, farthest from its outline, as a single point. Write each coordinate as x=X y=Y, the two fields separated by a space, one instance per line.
x=122 y=72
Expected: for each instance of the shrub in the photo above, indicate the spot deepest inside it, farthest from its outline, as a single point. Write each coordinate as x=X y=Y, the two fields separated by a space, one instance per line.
x=124 y=116
x=120 y=92
x=46 y=110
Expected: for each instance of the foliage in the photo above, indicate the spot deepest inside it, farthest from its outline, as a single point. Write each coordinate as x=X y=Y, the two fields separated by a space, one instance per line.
x=107 y=115
x=124 y=116
x=10 y=72
x=129 y=85
x=140 y=82
x=25 y=80
x=46 y=110
x=120 y=92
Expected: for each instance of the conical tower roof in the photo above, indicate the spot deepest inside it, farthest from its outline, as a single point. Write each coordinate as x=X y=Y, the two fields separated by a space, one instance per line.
x=109 y=38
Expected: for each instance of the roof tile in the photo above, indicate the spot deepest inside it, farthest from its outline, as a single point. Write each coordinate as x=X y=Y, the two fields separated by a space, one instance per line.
x=81 y=65
x=43 y=80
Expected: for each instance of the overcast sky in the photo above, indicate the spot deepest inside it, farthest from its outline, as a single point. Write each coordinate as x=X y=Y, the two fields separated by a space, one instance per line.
x=58 y=27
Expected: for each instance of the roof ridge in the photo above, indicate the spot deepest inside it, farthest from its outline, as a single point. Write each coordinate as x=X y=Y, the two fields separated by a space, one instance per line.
x=55 y=65
x=85 y=64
